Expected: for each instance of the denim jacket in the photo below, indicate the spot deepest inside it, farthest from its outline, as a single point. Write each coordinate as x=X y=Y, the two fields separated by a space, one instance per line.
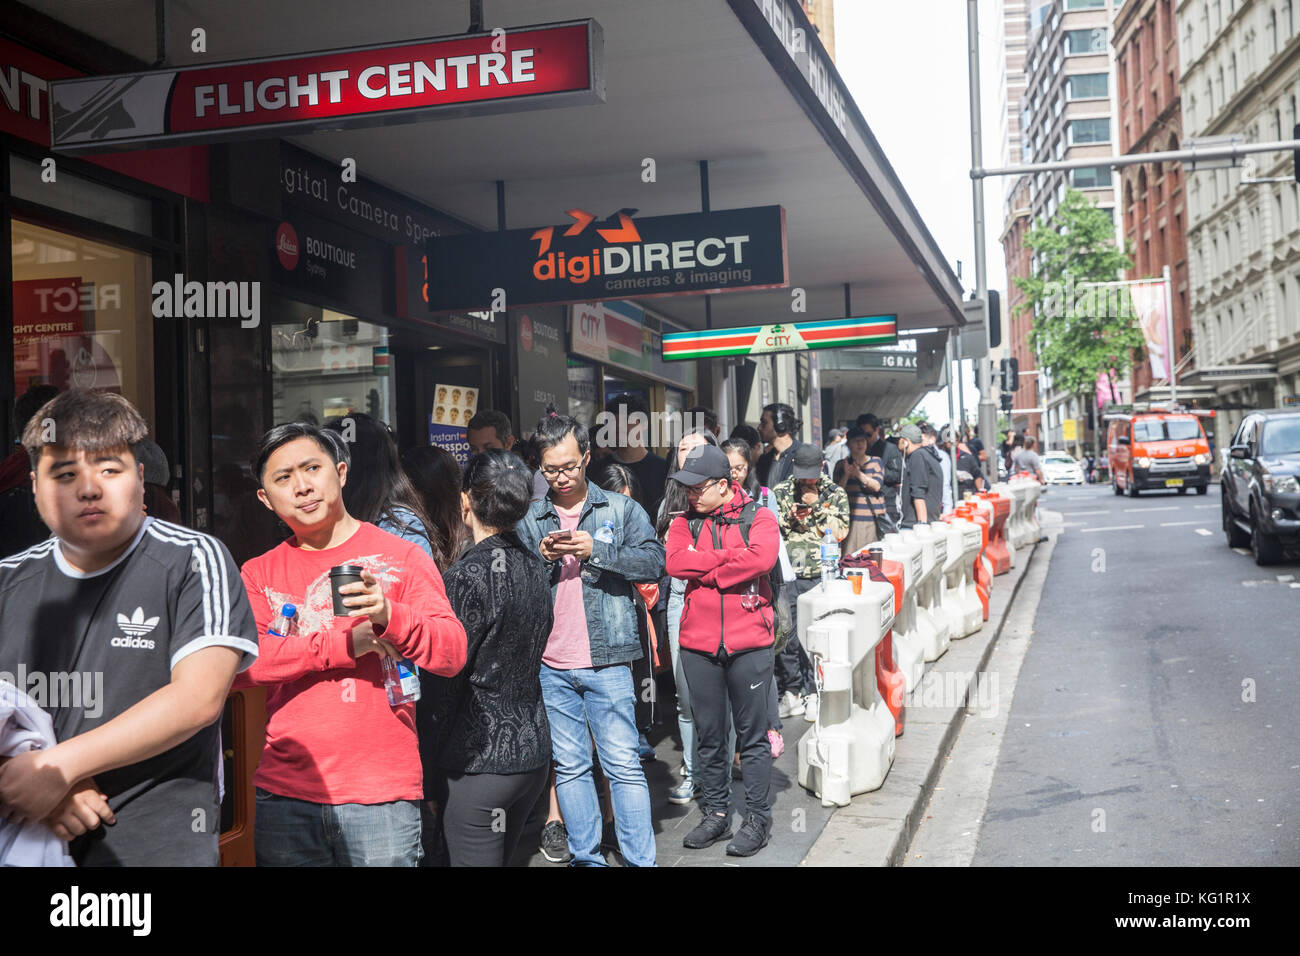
x=608 y=596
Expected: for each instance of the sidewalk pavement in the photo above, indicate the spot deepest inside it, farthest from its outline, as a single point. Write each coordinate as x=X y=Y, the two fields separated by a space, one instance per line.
x=876 y=828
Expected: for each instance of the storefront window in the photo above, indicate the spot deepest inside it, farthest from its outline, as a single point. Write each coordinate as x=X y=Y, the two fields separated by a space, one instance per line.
x=81 y=315
x=330 y=365
x=583 y=391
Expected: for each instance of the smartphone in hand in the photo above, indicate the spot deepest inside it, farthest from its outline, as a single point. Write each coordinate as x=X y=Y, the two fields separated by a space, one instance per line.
x=560 y=535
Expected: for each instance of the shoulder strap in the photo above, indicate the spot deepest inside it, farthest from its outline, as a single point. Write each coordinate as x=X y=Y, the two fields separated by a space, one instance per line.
x=696 y=525
x=746 y=519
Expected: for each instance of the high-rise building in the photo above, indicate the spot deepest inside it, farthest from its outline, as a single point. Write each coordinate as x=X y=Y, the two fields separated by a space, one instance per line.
x=822 y=15
x=1016 y=320
x=1152 y=198
x=1013 y=30
x=1067 y=111
x=1241 y=75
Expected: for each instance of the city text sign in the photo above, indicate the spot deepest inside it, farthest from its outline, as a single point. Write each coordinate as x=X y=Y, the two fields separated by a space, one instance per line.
x=625 y=258
x=786 y=337
x=531 y=67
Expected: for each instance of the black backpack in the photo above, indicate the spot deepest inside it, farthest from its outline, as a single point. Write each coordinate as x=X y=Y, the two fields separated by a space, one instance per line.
x=780 y=600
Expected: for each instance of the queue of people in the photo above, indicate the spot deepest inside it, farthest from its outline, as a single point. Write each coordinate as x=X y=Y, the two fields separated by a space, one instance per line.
x=442 y=648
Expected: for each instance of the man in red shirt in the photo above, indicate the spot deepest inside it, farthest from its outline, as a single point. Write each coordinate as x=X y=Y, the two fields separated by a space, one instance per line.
x=340 y=781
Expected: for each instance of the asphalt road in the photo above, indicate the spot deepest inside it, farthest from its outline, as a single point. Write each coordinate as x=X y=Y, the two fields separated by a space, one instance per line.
x=1153 y=721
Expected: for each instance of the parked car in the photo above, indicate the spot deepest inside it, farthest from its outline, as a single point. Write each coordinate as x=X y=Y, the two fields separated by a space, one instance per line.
x=1260 y=480
x=1157 y=449
x=1061 y=469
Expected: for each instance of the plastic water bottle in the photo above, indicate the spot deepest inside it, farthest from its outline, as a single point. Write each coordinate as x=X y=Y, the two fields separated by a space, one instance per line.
x=285 y=623
x=606 y=533
x=830 y=556
x=401 y=681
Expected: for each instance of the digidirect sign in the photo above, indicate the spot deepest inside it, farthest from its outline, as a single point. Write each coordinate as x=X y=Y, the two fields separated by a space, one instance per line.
x=531 y=67
x=786 y=337
x=623 y=258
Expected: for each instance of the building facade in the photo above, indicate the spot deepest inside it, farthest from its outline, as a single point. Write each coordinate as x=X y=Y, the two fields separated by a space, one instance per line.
x=1067 y=112
x=1241 y=75
x=1153 y=200
x=1016 y=319
x=821 y=13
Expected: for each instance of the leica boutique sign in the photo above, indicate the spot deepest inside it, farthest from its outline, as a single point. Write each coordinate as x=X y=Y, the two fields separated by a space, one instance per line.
x=518 y=68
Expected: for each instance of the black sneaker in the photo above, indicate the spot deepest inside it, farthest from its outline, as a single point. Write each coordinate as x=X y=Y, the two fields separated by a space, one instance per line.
x=753 y=836
x=710 y=830
x=555 y=842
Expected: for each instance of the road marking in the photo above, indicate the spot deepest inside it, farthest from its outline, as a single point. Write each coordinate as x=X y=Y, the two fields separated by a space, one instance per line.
x=1203 y=532
x=1115 y=527
x=1168 y=508
x=1207 y=506
x=1295 y=585
x=1242 y=551
x=1175 y=524
x=1080 y=514
x=1281 y=578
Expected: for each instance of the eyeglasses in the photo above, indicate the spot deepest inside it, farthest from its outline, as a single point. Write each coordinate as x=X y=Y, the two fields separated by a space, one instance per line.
x=568 y=470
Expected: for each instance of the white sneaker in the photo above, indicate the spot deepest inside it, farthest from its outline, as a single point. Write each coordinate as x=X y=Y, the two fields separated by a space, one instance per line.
x=810 y=707
x=790 y=705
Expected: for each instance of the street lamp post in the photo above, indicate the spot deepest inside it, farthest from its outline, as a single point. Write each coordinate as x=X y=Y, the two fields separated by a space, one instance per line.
x=988 y=408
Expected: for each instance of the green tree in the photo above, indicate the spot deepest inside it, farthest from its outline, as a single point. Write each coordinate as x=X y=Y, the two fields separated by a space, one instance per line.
x=1079 y=331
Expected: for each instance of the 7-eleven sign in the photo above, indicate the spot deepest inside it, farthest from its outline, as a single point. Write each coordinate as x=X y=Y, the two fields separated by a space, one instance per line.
x=786 y=337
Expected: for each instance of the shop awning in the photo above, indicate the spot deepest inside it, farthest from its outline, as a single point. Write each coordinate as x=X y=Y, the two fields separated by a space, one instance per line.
x=686 y=80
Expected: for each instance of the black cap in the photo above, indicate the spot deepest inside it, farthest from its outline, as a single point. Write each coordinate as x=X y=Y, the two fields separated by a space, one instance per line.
x=807 y=462
x=704 y=463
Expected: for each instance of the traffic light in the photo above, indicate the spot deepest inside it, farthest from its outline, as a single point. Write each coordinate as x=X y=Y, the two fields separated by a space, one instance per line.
x=995 y=314
x=1010 y=374
x=1006 y=402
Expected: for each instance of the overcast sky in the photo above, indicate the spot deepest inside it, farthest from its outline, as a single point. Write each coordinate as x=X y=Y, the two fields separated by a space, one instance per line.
x=905 y=63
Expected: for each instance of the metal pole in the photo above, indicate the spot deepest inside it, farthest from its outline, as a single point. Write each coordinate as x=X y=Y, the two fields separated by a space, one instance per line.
x=1204 y=154
x=988 y=409
x=1169 y=325
x=952 y=425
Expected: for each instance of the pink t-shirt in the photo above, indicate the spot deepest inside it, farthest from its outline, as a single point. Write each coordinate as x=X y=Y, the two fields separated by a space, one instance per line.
x=569 y=646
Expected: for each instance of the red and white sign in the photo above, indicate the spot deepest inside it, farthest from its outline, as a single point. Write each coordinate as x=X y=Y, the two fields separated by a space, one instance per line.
x=286 y=246
x=25 y=113
x=525 y=67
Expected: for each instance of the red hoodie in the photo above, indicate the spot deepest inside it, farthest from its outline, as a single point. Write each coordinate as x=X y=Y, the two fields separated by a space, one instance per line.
x=717 y=579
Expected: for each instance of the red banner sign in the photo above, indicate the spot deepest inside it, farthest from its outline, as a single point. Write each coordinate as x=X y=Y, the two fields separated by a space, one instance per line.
x=519 y=68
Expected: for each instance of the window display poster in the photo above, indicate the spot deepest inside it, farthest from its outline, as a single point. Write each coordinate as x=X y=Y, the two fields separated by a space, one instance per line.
x=453 y=407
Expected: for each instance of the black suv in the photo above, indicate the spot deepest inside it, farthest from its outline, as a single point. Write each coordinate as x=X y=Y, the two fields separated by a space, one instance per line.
x=1261 y=485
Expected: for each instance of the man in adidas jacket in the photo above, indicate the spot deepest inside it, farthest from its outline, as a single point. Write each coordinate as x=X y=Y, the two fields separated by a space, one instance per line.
x=726 y=636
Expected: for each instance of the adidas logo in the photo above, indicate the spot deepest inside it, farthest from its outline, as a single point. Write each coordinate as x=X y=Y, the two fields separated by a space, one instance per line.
x=135 y=627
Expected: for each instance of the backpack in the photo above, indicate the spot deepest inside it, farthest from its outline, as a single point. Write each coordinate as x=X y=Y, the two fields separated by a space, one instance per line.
x=783 y=621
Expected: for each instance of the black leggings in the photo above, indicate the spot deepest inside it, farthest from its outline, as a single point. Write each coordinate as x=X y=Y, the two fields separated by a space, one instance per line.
x=484 y=814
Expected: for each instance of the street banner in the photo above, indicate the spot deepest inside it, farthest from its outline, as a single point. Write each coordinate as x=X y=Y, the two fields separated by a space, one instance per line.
x=785 y=337
x=530 y=67
x=589 y=261
x=1149 y=309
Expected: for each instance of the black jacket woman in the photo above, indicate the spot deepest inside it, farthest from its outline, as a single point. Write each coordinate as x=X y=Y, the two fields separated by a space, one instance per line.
x=488 y=735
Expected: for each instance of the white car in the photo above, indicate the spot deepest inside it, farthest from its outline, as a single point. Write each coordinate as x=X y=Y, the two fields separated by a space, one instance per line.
x=1060 y=469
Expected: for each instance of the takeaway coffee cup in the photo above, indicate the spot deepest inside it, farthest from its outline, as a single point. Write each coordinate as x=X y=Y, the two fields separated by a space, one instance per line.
x=854 y=576
x=340 y=575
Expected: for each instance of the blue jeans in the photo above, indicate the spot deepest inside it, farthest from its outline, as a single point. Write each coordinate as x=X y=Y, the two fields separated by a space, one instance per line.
x=289 y=832
x=588 y=704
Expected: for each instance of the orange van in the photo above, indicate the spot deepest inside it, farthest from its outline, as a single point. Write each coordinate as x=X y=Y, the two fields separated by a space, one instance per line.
x=1157 y=449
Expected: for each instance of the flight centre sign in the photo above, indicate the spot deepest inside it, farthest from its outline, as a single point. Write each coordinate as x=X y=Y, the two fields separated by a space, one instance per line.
x=517 y=68
x=620 y=258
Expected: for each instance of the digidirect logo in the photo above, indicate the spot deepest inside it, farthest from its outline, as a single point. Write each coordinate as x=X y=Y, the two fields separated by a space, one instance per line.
x=286 y=246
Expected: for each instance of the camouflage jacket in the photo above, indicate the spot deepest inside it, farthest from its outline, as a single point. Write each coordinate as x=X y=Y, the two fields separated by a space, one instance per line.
x=803 y=535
